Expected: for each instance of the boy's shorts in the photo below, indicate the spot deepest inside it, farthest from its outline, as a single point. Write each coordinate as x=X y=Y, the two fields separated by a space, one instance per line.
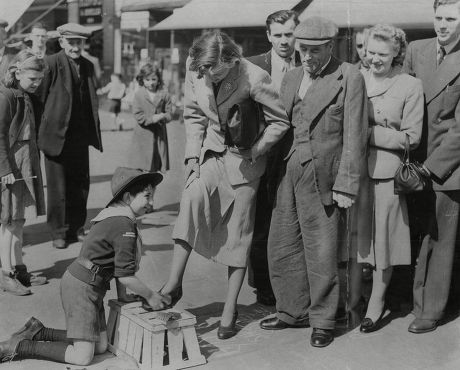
x=84 y=309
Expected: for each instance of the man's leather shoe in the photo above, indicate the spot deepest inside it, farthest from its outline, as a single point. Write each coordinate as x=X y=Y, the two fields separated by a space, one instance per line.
x=369 y=326
x=265 y=298
x=420 y=326
x=321 y=337
x=28 y=331
x=275 y=323
x=60 y=244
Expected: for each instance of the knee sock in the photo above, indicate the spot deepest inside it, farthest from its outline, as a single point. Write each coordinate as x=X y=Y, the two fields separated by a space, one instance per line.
x=51 y=335
x=54 y=351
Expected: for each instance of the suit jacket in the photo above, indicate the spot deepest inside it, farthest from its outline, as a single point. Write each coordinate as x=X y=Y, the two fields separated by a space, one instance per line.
x=13 y=118
x=442 y=98
x=204 y=114
x=395 y=111
x=334 y=112
x=56 y=92
x=264 y=60
x=8 y=56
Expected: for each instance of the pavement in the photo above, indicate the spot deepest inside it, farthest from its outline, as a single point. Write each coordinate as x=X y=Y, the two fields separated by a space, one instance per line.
x=392 y=347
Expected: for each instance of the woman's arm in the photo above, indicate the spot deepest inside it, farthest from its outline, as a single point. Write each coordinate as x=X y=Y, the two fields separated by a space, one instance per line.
x=195 y=120
x=265 y=92
x=411 y=123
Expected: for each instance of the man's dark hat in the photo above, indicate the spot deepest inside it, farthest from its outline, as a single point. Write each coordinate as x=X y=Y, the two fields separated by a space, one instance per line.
x=73 y=31
x=125 y=177
x=3 y=23
x=315 y=31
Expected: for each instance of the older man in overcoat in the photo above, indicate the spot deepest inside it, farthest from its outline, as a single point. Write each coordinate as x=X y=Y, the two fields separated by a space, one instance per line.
x=70 y=123
x=326 y=102
x=436 y=62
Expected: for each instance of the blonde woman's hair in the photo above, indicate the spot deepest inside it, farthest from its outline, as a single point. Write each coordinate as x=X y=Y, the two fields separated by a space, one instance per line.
x=396 y=36
x=23 y=61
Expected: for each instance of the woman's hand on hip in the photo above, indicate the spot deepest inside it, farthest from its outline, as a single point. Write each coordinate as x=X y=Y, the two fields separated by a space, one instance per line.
x=8 y=179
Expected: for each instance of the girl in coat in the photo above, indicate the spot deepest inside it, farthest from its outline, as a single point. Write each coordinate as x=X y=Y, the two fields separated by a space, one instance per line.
x=152 y=109
x=395 y=114
x=21 y=183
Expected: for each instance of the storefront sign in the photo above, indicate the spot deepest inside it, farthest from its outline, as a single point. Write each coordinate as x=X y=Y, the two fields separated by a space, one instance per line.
x=90 y=12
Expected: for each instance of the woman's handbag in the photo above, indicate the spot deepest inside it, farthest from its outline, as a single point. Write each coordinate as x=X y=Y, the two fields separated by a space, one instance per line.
x=242 y=128
x=410 y=176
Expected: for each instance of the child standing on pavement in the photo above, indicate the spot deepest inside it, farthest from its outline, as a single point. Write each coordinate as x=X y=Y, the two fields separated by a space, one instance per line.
x=21 y=182
x=112 y=248
x=115 y=91
x=152 y=109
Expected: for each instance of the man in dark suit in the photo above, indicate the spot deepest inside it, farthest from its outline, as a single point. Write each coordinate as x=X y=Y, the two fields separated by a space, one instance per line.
x=70 y=123
x=327 y=105
x=280 y=59
x=6 y=53
x=436 y=62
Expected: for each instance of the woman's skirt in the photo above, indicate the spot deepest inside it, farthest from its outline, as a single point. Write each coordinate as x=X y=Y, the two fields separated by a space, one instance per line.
x=390 y=241
x=217 y=219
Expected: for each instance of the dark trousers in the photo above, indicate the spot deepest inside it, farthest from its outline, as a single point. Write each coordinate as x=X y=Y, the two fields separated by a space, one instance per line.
x=67 y=177
x=434 y=266
x=258 y=254
x=302 y=250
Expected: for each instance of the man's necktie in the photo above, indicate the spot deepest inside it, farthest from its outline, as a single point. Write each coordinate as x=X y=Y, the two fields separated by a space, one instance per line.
x=286 y=64
x=441 y=54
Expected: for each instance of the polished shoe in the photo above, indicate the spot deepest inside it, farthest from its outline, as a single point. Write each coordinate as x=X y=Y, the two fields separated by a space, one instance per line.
x=75 y=236
x=26 y=278
x=8 y=283
x=369 y=326
x=8 y=349
x=321 y=337
x=29 y=330
x=275 y=323
x=265 y=298
x=420 y=326
x=225 y=332
x=60 y=243
x=175 y=295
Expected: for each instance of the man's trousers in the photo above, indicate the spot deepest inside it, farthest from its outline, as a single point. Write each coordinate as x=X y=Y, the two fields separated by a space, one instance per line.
x=302 y=250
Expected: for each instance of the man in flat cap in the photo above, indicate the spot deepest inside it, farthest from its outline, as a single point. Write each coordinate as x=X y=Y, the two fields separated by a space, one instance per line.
x=70 y=123
x=6 y=53
x=327 y=105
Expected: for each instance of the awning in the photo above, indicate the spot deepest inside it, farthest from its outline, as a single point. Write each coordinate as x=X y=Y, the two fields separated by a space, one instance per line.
x=360 y=13
x=140 y=5
x=223 y=14
x=13 y=11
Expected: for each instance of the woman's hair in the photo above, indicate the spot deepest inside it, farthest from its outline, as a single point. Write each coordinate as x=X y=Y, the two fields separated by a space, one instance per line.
x=393 y=35
x=147 y=70
x=23 y=61
x=210 y=49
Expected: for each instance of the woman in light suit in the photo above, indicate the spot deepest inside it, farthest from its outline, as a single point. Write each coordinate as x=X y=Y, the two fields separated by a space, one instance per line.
x=395 y=111
x=217 y=209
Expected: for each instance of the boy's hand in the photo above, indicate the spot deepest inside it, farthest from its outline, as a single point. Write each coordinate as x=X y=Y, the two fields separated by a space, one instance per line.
x=158 y=302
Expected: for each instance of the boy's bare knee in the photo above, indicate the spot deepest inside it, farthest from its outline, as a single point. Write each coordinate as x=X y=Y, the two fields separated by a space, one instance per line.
x=101 y=347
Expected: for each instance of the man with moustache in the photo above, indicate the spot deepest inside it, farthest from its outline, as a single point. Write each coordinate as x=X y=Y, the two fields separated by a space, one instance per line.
x=70 y=123
x=277 y=61
x=326 y=102
x=436 y=62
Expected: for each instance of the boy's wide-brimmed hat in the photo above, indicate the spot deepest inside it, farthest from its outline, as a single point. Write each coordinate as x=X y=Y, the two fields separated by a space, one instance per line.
x=125 y=177
x=73 y=31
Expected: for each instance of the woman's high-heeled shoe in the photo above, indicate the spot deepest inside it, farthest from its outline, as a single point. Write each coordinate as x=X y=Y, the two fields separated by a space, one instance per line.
x=175 y=294
x=225 y=332
x=369 y=326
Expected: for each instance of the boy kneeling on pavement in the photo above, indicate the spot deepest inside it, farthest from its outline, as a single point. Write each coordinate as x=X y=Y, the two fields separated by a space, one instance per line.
x=111 y=249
